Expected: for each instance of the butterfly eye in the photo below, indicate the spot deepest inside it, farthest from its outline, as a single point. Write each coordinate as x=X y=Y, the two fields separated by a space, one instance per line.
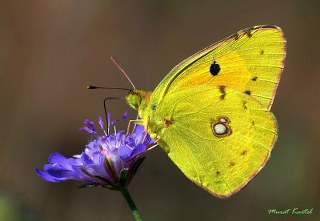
x=134 y=99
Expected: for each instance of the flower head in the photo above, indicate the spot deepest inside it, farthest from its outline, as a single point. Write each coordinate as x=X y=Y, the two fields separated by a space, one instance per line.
x=109 y=160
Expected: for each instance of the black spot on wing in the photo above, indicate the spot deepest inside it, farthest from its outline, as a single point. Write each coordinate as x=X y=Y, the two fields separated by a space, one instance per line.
x=214 y=68
x=262 y=52
x=231 y=164
x=167 y=122
x=244 y=152
x=254 y=78
x=244 y=104
x=250 y=31
x=222 y=91
x=247 y=92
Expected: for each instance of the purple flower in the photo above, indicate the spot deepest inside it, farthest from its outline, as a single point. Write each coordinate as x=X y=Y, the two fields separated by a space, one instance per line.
x=109 y=160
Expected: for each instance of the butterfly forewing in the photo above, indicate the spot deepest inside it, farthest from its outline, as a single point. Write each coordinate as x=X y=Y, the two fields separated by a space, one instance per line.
x=249 y=61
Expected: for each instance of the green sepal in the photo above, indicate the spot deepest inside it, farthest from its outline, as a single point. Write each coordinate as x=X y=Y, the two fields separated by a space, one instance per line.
x=123 y=177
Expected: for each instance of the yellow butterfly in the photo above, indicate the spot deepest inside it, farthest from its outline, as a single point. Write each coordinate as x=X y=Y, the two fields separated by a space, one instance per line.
x=211 y=113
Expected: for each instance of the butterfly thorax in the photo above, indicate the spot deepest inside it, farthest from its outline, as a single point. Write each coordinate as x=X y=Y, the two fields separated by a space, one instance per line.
x=141 y=101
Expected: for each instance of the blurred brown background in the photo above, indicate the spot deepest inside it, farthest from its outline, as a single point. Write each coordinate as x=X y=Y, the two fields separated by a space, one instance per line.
x=50 y=51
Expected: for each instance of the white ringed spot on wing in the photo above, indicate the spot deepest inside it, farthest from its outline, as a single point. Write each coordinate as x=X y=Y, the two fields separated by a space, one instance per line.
x=220 y=126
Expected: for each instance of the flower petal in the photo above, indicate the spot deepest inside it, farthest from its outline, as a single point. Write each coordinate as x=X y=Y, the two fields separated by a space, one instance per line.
x=59 y=159
x=100 y=121
x=61 y=173
x=114 y=122
x=138 y=133
x=47 y=177
x=125 y=152
x=89 y=127
x=139 y=149
x=125 y=115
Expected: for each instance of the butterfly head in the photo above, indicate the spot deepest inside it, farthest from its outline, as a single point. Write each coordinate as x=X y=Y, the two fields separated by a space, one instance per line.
x=138 y=99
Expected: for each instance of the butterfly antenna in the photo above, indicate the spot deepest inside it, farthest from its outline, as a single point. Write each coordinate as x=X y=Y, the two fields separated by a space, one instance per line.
x=122 y=71
x=112 y=88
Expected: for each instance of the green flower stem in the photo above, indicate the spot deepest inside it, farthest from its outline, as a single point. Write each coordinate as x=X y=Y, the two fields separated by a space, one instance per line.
x=131 y=203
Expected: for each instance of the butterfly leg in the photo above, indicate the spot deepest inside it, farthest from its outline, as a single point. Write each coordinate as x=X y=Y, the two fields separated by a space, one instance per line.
x=155 y=143
x=146 y=129
x=133 y=121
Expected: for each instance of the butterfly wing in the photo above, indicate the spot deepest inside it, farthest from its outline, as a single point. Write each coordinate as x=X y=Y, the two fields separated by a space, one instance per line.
x=219 y=138
x=211 y=112
x=249 y=61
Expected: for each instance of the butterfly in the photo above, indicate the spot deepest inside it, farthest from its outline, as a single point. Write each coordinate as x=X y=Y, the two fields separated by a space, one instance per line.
x=211 y=113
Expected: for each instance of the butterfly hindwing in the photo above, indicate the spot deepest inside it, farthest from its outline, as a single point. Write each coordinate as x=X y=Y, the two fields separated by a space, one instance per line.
x=220 y=143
